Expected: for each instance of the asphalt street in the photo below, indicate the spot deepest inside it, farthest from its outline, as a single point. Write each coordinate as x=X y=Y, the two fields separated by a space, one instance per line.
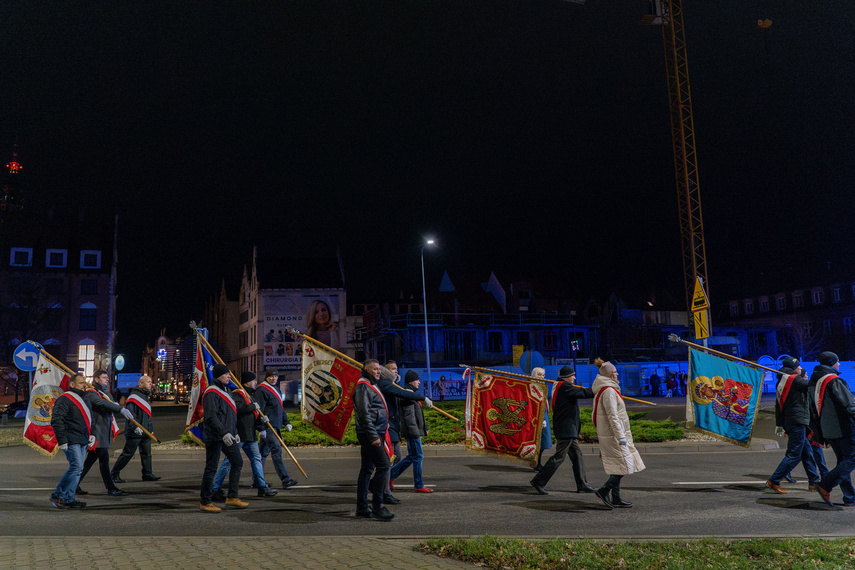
x=711 y=489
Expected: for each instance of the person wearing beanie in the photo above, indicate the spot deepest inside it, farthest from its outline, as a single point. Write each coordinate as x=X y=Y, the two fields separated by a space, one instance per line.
x=565 y=415
x=139 y=404
x=413 y=428
x=792 y=416
x=832 y=401
x=545 y=431
x=220 y=431
x=270 y=400
x=616 y=446
x=248 y=419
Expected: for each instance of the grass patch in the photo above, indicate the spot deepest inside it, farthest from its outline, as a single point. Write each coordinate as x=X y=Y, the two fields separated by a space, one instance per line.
x=643 y=430
x=783 y=553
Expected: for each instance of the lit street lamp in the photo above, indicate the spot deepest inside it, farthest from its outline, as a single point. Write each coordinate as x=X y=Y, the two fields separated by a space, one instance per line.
x=427 y=335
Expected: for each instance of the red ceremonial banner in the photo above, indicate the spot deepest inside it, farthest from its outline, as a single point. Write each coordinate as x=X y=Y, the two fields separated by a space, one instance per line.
x=506 y=417
x=328 y=384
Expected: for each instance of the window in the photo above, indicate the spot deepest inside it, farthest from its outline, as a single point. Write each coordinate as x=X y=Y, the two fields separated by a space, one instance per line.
x=826 y=328
x=847 y=325
x=90 y=259
x=523 y=338
x=55 y=257
x=836 y=295
x=764 y=304
x=53 y=286
x=415 y=340
x=550 y=340
x=807 y=327
x=244 y=339
x=88 y=314
x=88 y=286
x=818 y=296
x=780 y=302
x=495 y=341
x=525 y=300
x=21 y=257
x=86 y=359
x=749 y=307
x=459 y=346
x=244 y=317
x=798 y=300
x=734 y=309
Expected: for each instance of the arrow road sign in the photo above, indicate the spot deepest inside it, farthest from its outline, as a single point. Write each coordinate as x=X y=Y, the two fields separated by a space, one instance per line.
x=27 y=356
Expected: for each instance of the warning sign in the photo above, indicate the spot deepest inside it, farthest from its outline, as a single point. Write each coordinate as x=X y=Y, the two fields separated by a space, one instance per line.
x=699 y=297
x=702 y=324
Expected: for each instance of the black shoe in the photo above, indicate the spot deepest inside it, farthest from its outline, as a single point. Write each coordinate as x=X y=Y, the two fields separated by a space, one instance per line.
x=789 y=478
x=618 y=502
x=75 y=505
x=219 y=496
x=80 y=491
x=150 y=478
x=288 y=483
x=538 y=467
x=390 y=500
x=366 y=514
x=267 y=492
x=57 y=502
x=116 y=479
x=603 y=495
x=586 y=489
x=538 y=487
x=382 y=514
x=116 y=492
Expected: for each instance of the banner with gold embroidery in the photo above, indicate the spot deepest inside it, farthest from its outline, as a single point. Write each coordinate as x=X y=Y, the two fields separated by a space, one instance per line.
x=49 y=382
x=506 y=412
x=329 y=379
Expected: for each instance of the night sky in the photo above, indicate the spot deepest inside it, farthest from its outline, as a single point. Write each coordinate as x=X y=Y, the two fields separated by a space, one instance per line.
x=523 y=135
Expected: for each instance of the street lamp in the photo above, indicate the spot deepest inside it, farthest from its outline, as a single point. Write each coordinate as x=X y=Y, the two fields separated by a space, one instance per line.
x=427 y=335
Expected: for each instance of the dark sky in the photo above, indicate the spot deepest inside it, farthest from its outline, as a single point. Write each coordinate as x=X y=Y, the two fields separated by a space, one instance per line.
x=522 y=134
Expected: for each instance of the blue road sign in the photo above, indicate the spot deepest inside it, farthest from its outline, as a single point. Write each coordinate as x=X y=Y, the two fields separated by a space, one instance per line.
x=27 y=356
x=530 y=359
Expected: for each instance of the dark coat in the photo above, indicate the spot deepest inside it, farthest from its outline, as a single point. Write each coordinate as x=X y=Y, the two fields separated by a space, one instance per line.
x=140 y=415
x=392 y=392
x=795 y=412
x=270 y=400
x=220 y=418
x=838 y=409
x=412 y=419
x=245 y=416
x=566 y=422
x=369 y=411
x=68 y=422
x=103 y=409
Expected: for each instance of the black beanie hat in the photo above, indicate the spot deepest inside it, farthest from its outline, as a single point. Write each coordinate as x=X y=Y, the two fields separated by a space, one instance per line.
x=566 y=372
x=828 y=358
x=790 y=362
x=246 y=377
x=411 y=376
x=219 y=370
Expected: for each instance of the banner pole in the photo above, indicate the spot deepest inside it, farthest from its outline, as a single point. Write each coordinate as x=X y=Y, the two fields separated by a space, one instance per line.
x=675 y=338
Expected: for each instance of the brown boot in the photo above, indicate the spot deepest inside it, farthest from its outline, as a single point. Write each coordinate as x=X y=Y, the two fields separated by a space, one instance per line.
x=775 y=487
x=210 y=508
x=236 y=503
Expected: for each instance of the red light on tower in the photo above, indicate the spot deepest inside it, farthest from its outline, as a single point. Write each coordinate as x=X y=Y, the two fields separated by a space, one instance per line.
x=14 y=167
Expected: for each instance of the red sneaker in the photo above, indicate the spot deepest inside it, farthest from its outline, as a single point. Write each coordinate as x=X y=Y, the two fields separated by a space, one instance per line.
x=392 y=484
x=424 y=490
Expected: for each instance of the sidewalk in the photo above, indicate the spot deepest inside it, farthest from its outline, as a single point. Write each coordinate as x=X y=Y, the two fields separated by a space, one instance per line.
x=145 y=552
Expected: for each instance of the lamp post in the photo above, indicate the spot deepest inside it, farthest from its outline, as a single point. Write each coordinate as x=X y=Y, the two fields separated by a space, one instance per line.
x=427 y=335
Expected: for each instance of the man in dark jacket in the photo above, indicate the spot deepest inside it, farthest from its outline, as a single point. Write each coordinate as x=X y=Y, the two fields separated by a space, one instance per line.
x=566 y=424
x=270 y=400
x=104 y=429
x=139 y=404
x=220 y=431
x=247 y=420
x=71 y=420
x=792 y=417
x=831 y=399
x=413 y=428
x=372 y=431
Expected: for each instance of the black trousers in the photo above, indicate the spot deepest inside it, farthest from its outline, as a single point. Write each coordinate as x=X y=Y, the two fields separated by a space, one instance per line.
x=212 y=463
x=564 y=447
x=131 y=446
x=374 y=462
x=102 y=456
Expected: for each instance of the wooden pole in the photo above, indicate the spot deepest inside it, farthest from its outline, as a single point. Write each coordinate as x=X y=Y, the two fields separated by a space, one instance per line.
x=71 y=373
x=242 y=389
x=446 y=414
x=675 y=338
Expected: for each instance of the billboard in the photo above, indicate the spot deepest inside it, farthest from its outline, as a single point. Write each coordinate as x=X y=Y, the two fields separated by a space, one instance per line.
x=316 y=316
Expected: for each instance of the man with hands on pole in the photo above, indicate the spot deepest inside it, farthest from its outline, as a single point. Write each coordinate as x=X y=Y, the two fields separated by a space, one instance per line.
x=71 y=420
x=220 y=432
x=135 y=438
x=270 y=401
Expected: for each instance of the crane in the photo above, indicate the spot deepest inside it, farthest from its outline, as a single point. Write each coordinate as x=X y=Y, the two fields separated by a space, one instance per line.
x=668 y=14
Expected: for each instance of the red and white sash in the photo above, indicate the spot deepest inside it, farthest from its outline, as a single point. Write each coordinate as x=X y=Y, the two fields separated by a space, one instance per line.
x=245 y=397
x=555 y=391
x=140 y=403
x=273 y=391
x=84 y=409
x=114 y=426
x=819 y=393
x=597 y=401
x=783 y=389
x=222 y=394
x=387 y=440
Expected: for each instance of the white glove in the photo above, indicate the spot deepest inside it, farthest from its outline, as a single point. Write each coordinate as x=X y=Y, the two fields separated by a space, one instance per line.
x=622 y=441
x=428 y=402
x=544 y=423
x=64 y=447
x=263 y=434
x=265 y=419
x=229 y=439
x=256 y=406
x=289 y=427
x=138 y=431
x=237 y=439
x=127 y=413
x=779 y=431
x=91 y=440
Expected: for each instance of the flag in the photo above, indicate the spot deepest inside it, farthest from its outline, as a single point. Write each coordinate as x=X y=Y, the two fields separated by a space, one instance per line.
x=506 y=417
x=201 y=379
x=722 y=397
x=328 y=383
x=49 y=382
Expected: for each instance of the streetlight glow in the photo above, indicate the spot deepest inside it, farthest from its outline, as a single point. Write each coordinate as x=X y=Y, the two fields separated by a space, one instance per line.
x=427 y=333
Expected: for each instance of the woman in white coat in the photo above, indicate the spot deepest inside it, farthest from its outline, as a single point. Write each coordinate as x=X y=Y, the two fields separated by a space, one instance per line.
x=616 y=448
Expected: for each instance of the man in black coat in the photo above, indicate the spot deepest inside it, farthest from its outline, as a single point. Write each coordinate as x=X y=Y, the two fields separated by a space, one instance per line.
x=413 y=428
x=833 y=403
x=566 y=424
x=139 y=404
x=270 y=400
x=792 y=417
x=104 y=429
x=71 y=420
